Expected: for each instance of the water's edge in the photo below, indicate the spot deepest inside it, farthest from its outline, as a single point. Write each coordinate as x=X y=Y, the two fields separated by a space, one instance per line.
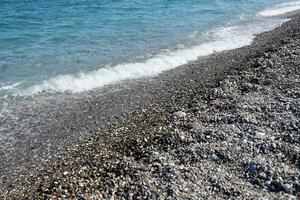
x=38 y=134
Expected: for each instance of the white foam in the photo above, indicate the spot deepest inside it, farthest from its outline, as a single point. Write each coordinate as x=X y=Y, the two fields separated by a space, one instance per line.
x=225 y=38
x=10 y=87
x=281 y=9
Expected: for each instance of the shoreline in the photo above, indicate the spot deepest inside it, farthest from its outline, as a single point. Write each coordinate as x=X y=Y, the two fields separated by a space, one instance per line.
x=118 y=143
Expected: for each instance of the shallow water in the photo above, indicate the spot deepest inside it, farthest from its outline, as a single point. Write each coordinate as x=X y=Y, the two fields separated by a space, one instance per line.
x=58 y=46
x=50 y=49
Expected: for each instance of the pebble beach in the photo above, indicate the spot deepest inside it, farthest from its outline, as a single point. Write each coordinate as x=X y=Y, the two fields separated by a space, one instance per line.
x=223 y=127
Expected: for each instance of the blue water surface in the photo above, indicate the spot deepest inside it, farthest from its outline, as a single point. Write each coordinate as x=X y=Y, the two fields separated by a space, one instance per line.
x=41 y=39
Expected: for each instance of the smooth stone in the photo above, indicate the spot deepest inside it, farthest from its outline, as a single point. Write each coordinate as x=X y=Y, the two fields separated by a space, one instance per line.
x=214 y=157
x=253 y=168
x=268 y=183
x=260 y=135
x=287 y=187
x=179 y=114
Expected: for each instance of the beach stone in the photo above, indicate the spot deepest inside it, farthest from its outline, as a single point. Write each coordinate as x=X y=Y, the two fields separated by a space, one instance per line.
x=286 y=186
x=273 y=145
x=248 y=87
x=214 y=157
x=180 y=114
x=268 y=183
x=260 y=135
x=253 y=168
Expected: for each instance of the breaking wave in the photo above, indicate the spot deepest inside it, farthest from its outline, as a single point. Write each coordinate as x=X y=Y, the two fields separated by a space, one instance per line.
x=224 y=38
x=281 y=9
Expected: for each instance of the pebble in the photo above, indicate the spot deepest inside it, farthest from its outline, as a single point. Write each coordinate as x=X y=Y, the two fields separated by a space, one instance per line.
x=253 y=168
x=268 y=183
x=260 y=135
x=214 y=157
x=286 y=186
x=180 y=114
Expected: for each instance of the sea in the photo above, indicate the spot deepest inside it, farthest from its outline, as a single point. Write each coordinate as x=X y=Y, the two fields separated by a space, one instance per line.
x=70 y=46
x=49 y=48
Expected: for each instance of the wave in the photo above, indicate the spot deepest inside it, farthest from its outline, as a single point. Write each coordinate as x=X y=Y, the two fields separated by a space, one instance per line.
x=10 y=87
x=225 y=38
x=281 y=9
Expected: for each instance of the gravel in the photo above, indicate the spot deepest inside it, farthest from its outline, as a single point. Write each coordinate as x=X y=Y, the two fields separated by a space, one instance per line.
x=231 y=135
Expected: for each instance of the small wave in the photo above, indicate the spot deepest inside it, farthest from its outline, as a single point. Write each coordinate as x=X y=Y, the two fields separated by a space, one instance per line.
x=9 y=87
x=281 y=9
x=225 y=38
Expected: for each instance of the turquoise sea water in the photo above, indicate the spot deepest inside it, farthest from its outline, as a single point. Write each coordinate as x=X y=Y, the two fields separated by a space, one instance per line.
x=77 y=45
x=53 y=50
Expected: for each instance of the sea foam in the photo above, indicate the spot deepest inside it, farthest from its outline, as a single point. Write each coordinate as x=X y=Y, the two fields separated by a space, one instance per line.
x=225 y=38
x=281 y=9
x=9 y=87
